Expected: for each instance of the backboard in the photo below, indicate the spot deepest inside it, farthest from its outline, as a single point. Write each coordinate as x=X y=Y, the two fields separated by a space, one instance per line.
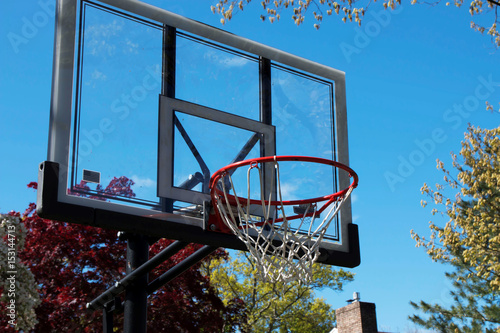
x=154 y=103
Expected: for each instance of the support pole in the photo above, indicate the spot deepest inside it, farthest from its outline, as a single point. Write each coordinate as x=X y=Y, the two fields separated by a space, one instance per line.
x=136 y=295
x=266 y=117
x=168 y=87
x=265 y=87
x=120 y=286
x=107 y=318
x=180 y=268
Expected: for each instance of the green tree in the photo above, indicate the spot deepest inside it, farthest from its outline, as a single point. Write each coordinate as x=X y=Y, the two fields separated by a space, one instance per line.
x=469 y=242
x=353 y=10
x=19 y=295
x=277 y=307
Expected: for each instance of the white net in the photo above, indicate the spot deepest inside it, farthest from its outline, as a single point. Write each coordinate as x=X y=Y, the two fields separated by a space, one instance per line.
x=283 y=248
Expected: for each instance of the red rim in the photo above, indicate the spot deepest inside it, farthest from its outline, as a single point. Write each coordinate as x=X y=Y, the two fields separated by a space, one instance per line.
x=331 y=197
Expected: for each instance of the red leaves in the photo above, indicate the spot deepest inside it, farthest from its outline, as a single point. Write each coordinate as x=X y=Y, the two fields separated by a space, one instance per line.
x=191 y=291
x=73 y=264
x=120 y=187
x=117 y=187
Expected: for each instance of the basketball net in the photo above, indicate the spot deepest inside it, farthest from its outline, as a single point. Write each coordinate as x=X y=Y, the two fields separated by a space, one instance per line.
x=283 y=248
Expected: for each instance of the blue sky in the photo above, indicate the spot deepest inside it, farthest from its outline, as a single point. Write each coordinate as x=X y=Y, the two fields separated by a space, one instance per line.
x=414 y=78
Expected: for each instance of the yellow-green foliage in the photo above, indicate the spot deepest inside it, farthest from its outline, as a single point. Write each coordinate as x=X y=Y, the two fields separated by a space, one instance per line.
x=472 y=234
x=277 y=307
x=469 y=240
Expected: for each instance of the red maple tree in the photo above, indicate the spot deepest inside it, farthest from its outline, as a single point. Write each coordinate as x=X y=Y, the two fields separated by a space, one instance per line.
x=73 y=264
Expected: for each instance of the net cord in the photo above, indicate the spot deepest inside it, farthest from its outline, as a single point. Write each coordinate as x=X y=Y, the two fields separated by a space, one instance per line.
x=283 y=262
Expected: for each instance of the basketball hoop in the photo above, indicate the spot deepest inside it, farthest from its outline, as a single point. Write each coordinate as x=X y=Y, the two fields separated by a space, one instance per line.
x=283 y=242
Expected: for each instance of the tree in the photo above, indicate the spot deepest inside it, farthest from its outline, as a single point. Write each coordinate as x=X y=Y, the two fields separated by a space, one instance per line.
x=19 y=295
x=72 y=264
x=470 y=240
x=277 y=307
x=351 y=10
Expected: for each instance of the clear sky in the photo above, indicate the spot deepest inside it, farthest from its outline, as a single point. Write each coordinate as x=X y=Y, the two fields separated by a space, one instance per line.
x=414 y=77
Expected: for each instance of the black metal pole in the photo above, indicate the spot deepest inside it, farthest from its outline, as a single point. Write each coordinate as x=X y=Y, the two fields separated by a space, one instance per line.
x=136 y=295
x=120 y=286
x=180 y=268
x=107 y=318
x=168 y=66
x=168 y=86
x=265 y=87
x=266 y=117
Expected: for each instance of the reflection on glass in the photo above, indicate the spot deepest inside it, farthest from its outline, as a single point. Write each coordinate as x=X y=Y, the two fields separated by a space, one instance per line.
x=303 y=114
x=216 y=77
x=118 y=82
